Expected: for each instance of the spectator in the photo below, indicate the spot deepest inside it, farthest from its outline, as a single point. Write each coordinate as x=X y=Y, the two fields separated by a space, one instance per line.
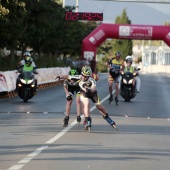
x=93 y=65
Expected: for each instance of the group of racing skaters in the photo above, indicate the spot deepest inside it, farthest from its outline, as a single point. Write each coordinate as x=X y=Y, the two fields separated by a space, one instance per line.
x=84 y=85
x=85 y=88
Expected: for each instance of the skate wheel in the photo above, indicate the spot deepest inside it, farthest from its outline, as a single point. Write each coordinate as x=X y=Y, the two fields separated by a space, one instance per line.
x=89 y=129
x=115 y=127
x=65 y=125
x=110 y=101
x=78 y=123
x=86 y=128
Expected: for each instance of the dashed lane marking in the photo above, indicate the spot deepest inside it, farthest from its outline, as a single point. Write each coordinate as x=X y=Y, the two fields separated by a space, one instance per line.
x=29 y=157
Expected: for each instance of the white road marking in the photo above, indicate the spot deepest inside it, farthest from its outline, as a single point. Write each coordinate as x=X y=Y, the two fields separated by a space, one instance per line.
x=29 y=157
x=16 y=167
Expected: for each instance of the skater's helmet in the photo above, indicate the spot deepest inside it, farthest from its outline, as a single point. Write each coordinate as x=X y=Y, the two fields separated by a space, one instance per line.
x=86 y=71
x=73 y=72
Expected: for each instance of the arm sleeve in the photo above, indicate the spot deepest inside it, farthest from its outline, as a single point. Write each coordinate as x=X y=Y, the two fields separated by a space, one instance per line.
x=76 y=77
x=22 y=62
x=33 y=64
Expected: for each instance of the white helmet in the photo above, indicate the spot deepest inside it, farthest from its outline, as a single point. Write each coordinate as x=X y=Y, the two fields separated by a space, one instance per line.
x=27 y=54
x=129 y=58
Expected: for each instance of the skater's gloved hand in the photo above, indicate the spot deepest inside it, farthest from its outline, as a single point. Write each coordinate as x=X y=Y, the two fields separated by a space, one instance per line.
x=88 y=91
x=58 y=77
x=84 y=85
x=87 y=84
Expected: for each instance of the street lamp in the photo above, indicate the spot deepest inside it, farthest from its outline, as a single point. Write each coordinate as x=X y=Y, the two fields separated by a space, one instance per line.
x=77 y=3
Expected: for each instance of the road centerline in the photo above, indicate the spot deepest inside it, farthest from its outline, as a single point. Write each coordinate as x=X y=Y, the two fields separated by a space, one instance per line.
x=29 y=157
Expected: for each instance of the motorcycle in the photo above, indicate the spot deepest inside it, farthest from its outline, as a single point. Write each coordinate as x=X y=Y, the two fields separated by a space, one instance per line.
x=127 y=90
x=26 y=84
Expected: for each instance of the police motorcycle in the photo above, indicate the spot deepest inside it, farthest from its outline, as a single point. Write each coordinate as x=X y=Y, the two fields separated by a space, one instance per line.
x=128 y=90
x=26 y=84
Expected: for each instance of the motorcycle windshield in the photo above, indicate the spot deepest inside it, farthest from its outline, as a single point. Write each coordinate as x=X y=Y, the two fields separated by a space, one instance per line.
x=26 y=75
x=128 y=75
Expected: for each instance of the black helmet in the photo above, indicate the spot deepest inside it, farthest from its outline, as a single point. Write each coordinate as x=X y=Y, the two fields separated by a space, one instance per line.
x=118 y=54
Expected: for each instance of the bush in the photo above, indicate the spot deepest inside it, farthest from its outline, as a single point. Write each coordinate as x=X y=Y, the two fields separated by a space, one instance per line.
x=101 y=67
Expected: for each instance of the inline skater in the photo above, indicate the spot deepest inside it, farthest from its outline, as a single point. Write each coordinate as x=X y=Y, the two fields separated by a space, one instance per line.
x=71 y=86
x=115 y=65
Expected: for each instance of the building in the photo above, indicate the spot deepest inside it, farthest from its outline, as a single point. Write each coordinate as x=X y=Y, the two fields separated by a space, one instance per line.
x=155 y=59
x=156 y=55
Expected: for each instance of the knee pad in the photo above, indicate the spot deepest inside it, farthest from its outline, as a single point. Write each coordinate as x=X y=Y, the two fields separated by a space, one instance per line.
x=69 y=98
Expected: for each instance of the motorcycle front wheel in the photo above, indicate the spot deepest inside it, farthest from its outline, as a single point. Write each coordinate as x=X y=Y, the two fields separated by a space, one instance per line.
x=25 y=97
x=127 y=96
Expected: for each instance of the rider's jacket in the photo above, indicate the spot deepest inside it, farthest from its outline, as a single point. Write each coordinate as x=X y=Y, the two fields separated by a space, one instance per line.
x=22 y=62
x=26 y=68
x=130 y=69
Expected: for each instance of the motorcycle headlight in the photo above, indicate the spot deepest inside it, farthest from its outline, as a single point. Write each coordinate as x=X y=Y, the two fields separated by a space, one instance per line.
x=124 y=81
x=130 y=81
x=29 y=81
x=23 y=81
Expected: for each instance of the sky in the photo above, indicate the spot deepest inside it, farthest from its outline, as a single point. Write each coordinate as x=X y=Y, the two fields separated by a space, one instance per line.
x=164 y=8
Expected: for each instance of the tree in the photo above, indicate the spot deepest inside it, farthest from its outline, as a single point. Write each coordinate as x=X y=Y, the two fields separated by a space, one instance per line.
x=110 y=47
x=40 y=24
x=124 y=46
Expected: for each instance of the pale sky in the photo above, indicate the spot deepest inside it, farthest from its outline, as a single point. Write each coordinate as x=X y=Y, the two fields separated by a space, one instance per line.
x=164 y=8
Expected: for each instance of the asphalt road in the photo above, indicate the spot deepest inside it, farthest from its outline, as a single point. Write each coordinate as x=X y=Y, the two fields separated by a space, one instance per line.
x=32 y=136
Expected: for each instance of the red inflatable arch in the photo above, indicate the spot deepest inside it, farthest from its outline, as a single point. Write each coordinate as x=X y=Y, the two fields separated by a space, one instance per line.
x=123 y=31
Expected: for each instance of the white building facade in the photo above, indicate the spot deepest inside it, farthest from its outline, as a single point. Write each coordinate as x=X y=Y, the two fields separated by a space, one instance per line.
x=154 y=58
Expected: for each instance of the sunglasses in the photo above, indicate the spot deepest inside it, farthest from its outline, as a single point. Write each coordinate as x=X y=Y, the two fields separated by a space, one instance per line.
x=85 y=76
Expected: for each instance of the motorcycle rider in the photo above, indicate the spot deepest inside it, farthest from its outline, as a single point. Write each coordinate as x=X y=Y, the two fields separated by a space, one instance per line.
x=71 y=86
x=115 y=65
x=28 y=67
x=23 y=61
x=130 y=68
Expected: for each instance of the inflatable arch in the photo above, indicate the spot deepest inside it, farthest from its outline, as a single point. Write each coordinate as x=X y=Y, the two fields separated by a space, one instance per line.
x=123 y=31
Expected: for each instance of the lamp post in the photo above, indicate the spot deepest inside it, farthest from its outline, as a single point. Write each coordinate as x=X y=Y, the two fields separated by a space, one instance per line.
x=63 y=3
x=77 y=3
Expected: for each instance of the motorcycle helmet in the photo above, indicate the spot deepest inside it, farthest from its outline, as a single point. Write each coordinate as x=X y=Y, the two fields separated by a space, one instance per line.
x=86 y=71
x=27 y=54
x=28 y=61
x=73 y=72
x=129 y=58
